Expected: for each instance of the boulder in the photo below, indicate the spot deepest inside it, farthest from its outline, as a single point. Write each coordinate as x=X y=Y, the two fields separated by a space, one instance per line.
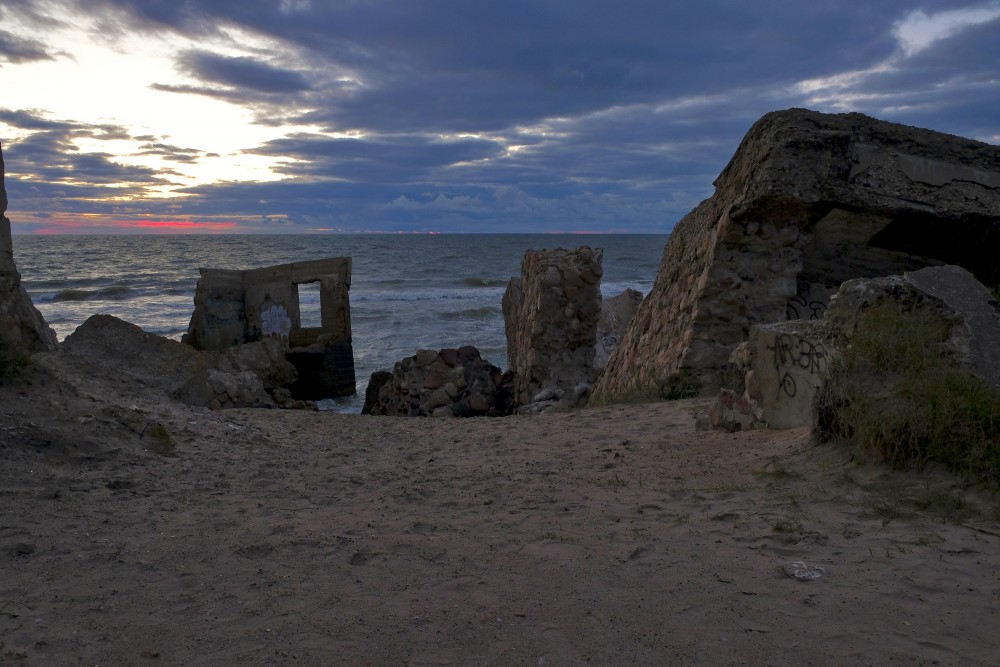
x=444 y=383
x=949 y=294
x=114 y=346
x=808 y=201
x=21 y=325
x=773 y=378
x=551 y=315
x=107 y=346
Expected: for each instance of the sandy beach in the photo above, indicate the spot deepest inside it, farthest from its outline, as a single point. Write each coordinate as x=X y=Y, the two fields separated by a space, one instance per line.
x=606 y=536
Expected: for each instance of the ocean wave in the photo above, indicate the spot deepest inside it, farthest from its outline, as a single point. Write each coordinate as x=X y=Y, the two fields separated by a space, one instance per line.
x=113 y=293
x=483 y=313
x=475 y=281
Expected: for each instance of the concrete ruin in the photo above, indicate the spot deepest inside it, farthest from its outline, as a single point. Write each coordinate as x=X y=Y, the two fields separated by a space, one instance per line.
x=808 y=201
x=237 y=307
x=773 y=379
x=22 y=326
x=551 y=314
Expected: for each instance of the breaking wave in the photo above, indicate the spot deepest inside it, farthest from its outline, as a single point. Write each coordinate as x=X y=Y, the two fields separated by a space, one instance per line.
x=476 y=281
x=113 y=293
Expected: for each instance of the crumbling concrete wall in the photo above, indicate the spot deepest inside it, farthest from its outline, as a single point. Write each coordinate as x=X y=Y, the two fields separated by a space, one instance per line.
x=238 y=307
x=550 y=315
x=808 y=201
x=20 y=322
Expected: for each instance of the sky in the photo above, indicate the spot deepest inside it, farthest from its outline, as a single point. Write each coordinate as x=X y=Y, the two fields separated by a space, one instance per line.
x=288 y=116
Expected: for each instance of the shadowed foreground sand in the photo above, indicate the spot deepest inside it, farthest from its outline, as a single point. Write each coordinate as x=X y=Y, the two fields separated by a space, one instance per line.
x=610 y=536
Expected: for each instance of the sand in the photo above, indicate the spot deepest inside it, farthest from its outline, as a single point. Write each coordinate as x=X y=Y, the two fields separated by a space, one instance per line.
x=607 y=536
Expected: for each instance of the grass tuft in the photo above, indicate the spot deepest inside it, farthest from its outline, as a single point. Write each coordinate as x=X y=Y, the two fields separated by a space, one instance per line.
x=896 y=396
x=678 y=386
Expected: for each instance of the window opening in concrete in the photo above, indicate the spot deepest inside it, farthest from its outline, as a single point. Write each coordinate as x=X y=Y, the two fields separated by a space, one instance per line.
x=310 y=313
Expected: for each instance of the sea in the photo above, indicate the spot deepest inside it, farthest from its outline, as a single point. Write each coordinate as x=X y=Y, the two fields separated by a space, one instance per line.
x=408 y=291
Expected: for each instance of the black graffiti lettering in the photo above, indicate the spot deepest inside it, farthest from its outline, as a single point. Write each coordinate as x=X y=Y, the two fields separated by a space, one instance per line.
x=798 y=307
x=790 y=350
x=787 y=386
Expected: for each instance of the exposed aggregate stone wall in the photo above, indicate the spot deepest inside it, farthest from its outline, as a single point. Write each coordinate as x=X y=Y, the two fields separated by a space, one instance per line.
x=551 y=315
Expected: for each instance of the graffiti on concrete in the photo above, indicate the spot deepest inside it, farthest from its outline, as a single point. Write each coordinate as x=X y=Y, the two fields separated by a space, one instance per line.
x=275 y=322
x=801 y=308
x=791 y=354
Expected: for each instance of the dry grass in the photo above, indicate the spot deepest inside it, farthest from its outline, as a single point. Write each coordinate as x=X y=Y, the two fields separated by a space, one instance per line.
x=896 y=396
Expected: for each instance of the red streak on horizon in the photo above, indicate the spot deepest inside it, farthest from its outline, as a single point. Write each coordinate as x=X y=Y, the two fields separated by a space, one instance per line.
x=138 y=226
x=177 y=224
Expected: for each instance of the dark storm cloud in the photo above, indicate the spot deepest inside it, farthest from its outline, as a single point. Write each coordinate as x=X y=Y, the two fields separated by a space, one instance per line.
x=241 y=72
x=46 y=171
x=537 y=112
x=51 y=157
x=170 y=152
x=374 y=159
x=16 y=49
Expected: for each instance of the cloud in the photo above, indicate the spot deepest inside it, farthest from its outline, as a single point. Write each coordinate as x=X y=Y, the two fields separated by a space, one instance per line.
x=16 y=49
x=513 y=116
x=170 y=152
x=241 y=72
x=918 y=30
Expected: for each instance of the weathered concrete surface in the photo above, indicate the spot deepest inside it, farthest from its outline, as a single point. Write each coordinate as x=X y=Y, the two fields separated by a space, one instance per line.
x=550 y=316
x=772 y=380
x=245 y=376
x=20 y=322
x=808 y=201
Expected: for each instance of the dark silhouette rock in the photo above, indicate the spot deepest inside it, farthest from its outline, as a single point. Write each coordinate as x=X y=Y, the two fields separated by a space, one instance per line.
x=22 y=326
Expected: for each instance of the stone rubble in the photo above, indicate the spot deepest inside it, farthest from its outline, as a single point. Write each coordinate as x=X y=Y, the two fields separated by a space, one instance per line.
x=442 y=383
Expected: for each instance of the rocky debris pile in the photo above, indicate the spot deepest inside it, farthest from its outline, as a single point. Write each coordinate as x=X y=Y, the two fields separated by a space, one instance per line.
x=551 y=316
x=252 y=375
x=443 y=383
x=773 y=379
x=22 y=327
x=808 y=201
